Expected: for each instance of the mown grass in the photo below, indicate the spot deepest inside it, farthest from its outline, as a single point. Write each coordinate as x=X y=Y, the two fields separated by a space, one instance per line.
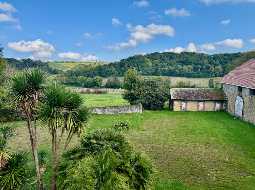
x=189 y=150
x=102 y=100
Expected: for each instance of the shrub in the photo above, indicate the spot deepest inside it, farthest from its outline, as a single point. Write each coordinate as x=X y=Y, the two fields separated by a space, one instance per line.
x=106 y=160
x=99 y=140
x=121 y=125
x=211 y=83
x=15 y=175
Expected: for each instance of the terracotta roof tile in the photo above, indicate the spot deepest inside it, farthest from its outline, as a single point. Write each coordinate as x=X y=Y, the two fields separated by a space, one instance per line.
x=196 y=94
x=243 y=75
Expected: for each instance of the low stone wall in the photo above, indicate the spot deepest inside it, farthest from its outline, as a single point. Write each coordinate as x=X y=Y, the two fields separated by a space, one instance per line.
x=111 y=110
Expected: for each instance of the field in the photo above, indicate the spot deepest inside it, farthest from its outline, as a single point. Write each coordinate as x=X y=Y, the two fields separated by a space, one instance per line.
x=102 y=100
x=64 y=66
x=189 y=150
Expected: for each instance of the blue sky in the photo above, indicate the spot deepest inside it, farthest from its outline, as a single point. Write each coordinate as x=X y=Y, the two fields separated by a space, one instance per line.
x=113 y=29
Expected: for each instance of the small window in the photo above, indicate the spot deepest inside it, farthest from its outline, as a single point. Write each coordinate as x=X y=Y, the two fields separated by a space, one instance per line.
x=252 y=92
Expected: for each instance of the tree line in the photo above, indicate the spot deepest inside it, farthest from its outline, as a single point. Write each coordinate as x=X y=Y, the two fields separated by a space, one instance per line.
x=168 y=64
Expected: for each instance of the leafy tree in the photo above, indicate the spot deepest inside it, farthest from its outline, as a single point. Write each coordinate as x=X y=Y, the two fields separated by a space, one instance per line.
x=26 y=90
x=65 y=116
x=132 y=85
x=113 y=82
x=2 y=63
x=154 y=94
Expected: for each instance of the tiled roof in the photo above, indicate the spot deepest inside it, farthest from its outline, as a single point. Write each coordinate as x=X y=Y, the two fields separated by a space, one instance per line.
x=243 y=75
x=196 y=94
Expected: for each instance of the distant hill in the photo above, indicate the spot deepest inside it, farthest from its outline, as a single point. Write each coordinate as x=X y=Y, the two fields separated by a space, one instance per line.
x=29 y=63
x=169 y=64
x=67 y=65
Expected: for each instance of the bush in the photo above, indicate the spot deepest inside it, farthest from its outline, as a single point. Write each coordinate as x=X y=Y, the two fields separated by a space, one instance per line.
x=121 y=125
x=113 y=83
x=183 y=84
x=105 y=160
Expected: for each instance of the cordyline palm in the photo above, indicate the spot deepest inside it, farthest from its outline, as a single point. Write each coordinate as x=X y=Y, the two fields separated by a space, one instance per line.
x=5 y=133
x=26 y=89
x=65 y=116
x=14 y=175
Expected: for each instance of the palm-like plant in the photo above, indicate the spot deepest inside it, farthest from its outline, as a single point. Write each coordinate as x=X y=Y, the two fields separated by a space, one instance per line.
x=5 y=133
x=65 y=116
x=14 y=175
x=26 y=89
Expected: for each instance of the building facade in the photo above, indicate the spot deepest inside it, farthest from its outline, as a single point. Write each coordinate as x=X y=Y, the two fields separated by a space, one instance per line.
x=239 y=87
x=192 y=99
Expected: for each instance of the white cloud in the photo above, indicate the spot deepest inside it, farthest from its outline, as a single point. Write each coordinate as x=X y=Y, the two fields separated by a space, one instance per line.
x=207 y=47
x=190 y=48
x=210 y=47
x=210 y=2
x=225 y=22
x=7 y=18
x=38 y=48
x=232 y=43
x=141 y=3
x=176 y=49
x=142 y=34
x=177 y=12
x=252 y=40
x=7 y=7
x=116 y=22
x=77 y=56
x=87 y=35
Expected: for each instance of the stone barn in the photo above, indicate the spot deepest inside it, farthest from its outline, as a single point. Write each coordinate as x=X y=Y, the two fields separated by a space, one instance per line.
x=239 y=87
x=197 y=99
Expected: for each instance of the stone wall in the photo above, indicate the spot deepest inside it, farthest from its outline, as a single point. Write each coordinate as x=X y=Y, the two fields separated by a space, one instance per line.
x=199 y=105
x=111 y=110
x=249 y=102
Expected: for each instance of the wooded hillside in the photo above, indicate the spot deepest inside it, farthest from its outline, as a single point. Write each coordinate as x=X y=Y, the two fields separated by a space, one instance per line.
x=169 y=64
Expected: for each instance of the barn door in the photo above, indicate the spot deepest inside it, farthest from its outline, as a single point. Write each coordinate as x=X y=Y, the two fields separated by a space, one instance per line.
x=239 y=106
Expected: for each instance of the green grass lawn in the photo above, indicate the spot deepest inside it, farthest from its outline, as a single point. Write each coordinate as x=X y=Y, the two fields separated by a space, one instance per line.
x=190 y=150
x=101 y=100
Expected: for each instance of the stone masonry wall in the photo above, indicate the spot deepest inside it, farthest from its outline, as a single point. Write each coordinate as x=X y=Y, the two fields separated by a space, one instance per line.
x=111 y=110
x=194 y=105
x=249 y=102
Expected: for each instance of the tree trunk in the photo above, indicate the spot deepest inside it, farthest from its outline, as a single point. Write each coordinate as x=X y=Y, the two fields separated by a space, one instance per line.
x=54 y=160
x=33 y=141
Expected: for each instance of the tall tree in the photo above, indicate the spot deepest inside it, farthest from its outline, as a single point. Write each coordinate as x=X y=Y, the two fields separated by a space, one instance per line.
x=2 y=62
x=65 y=116
x=26 y=89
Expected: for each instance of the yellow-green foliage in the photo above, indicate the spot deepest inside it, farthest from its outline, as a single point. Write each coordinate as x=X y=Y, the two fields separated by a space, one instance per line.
x=64 y=66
